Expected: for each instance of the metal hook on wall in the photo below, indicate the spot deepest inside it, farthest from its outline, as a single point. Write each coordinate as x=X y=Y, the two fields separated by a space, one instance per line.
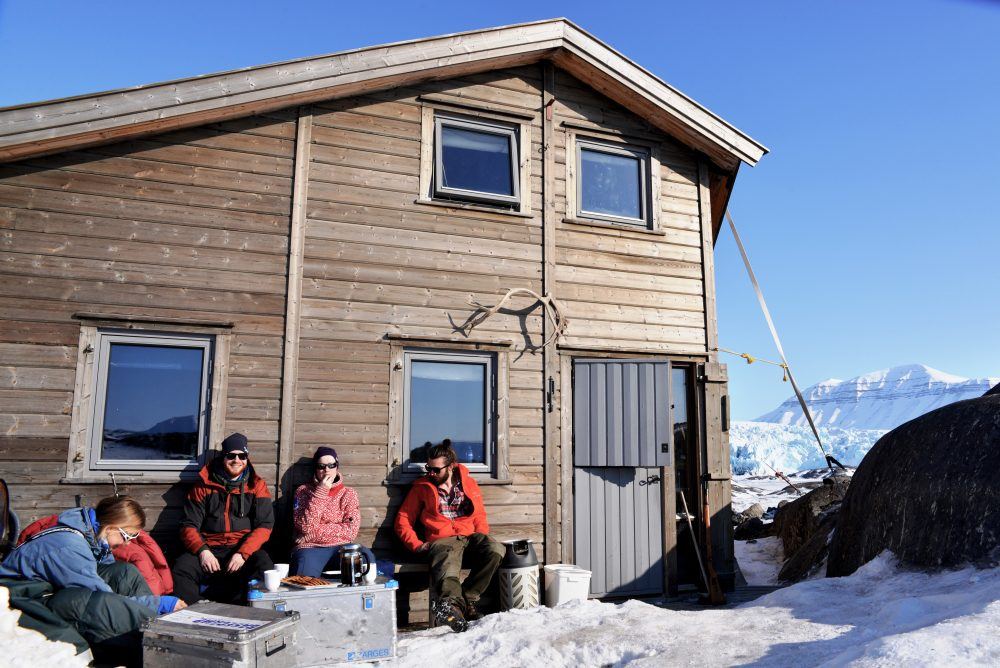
x=114 y=483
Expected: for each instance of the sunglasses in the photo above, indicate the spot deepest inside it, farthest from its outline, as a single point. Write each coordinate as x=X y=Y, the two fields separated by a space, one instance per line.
x=126 y=536
x=434 y=469
x=231 y=456
x=327 y=466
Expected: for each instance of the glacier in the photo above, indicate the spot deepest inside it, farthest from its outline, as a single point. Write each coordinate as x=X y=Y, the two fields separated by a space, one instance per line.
x=851 y=416
x=756 y=445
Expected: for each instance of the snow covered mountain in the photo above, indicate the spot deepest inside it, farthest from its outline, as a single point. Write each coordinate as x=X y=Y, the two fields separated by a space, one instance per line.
x=879 y=400
x=851 y=415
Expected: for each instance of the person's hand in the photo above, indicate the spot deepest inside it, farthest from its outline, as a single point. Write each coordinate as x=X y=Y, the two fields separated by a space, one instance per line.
x=327 y=480
x=209 y=563
x=179 y=605
x=235 y=563
x=424 y=547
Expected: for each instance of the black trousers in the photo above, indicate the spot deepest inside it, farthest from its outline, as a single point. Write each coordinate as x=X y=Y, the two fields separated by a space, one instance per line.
x=223 y=587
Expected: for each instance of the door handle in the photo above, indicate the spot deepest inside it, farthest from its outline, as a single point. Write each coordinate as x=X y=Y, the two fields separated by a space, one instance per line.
x=650 y=480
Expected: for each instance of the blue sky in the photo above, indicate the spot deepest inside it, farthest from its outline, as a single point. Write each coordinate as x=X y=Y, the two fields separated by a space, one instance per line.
x=872 y=224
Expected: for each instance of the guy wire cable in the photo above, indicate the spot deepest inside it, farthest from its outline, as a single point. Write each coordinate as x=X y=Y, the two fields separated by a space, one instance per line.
x=777 y=342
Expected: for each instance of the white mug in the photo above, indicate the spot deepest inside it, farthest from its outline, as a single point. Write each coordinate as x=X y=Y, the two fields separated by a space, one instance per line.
x=283 y=569
x=272 y=580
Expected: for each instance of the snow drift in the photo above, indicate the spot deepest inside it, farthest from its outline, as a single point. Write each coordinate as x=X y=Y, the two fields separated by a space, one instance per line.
x=879 y=616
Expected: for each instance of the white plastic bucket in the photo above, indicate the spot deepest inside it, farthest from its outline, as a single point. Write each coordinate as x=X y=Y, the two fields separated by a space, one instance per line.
x=565 y=582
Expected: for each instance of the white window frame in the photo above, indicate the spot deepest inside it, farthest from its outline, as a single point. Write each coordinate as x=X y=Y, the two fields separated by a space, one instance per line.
x=642 y=155
x=98 y=331
x=486 y=127
x=486 y=359
x=105 y=339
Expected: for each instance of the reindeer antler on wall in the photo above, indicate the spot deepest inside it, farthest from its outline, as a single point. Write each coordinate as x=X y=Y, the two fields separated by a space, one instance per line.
x=552 y=311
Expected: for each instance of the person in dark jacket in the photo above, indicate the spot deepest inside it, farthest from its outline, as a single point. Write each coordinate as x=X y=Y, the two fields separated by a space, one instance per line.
x=104 y=601
x=228 y=517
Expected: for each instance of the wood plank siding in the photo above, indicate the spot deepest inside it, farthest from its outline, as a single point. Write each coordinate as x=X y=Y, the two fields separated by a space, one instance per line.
x=192 y=224
x=198 y=223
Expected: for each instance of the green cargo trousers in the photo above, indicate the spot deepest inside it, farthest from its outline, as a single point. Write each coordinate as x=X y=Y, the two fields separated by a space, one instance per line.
x=480 y=553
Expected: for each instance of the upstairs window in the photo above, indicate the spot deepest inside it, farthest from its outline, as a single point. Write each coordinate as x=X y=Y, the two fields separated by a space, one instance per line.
x=151 y=401
x=449 y=395
x=613 y=182
x=476 y=161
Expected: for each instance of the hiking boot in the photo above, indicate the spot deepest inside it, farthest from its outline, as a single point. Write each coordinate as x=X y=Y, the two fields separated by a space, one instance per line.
x=472 y=613
x=448 y=612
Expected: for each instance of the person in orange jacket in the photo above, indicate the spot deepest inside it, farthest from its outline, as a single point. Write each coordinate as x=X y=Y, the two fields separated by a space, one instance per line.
x=448 y=504
x=228 y=517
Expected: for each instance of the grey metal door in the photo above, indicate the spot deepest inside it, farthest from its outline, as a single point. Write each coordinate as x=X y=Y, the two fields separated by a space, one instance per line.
x=621 y=439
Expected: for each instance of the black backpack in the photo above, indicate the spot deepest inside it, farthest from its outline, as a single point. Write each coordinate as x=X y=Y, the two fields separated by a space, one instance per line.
x=9 y=526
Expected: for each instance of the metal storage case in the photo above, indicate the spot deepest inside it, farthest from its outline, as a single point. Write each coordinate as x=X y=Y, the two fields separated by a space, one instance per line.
x=340 y=623
x=216 y=634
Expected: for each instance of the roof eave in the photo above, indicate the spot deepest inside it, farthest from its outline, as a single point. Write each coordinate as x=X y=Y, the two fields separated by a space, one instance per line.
x=58 y=125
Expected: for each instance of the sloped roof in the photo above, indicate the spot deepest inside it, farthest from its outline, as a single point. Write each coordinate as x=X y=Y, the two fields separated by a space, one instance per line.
x=56 y=125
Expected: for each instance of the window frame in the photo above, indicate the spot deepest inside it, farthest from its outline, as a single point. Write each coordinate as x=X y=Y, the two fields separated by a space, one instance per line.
x=648 y=152
x=80 y=460
x=510 y=131
x=102 y=360
x=398 y=472
x=434 y=106
x=641 y=155
x=487 y=359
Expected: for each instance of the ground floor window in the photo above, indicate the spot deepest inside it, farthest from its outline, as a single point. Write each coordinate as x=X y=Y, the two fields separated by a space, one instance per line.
x=449 y=395
x=151 y=400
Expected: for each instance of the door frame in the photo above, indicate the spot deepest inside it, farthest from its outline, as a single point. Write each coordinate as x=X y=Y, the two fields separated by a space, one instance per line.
x=567 y=444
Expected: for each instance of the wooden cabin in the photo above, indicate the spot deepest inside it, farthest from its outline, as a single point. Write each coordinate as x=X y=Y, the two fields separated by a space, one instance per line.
x=297 y=251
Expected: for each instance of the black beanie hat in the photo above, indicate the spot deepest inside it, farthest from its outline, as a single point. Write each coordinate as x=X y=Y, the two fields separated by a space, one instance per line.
x=323 y=451
x=235 y=443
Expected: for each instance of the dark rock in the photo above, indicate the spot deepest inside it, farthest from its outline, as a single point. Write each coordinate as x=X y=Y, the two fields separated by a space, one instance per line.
x=796 y=522
x=928 y=490
x=752 y=528
x=809 y=558
x=754 y=511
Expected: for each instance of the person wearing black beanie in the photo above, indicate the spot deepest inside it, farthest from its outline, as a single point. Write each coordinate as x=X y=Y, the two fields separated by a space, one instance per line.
x=228 y=517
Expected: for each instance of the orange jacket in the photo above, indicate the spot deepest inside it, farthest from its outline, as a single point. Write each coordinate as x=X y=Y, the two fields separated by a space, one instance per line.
x=421 y=505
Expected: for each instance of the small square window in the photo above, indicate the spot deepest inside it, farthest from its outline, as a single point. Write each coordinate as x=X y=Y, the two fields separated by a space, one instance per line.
x=151 y=401
x=476 y=161
x=612 y=183
x=449 y=395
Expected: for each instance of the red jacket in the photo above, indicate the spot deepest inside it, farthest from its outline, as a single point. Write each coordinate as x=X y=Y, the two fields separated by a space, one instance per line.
x=421 y=505
x=324 y=517
x=213 y=517
x=147 y=556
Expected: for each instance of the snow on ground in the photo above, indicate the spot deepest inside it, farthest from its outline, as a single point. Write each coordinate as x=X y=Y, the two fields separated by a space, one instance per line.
x=881 y=615
x=24 y=647
x=760 y=559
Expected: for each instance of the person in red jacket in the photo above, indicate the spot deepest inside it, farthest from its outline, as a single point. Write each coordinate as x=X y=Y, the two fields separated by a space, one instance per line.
x=228 y=517
x=448 y=504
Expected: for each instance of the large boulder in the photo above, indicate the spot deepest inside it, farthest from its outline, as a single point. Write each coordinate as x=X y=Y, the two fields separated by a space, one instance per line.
x=797 y=521
x=929 y=491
